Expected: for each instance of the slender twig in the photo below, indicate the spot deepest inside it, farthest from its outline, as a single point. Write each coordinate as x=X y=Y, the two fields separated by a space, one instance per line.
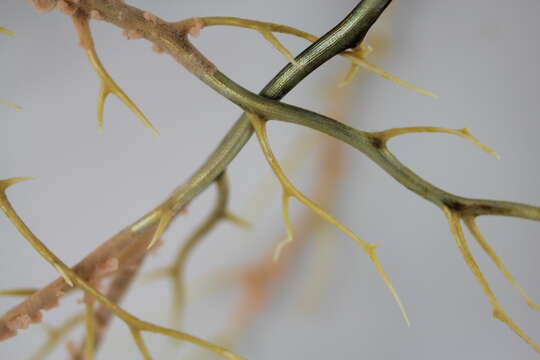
x=135 y=324
x=108 y=85
x=175 y=271
x=117 y=290
x=18 y=292
x=290 y=190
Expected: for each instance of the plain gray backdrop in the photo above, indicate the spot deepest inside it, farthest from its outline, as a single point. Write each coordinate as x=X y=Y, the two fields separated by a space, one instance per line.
x=480 y=57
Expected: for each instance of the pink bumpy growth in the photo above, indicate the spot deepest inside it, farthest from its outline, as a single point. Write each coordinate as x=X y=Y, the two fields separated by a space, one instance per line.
x=195 y=30
x=150 y=17
x=43 y=5
x=66 y=7
x=96 y=15
x=132 y=34
x=20 y=322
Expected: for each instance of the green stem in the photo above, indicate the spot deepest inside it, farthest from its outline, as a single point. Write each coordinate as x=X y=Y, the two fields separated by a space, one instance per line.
x=347 y=34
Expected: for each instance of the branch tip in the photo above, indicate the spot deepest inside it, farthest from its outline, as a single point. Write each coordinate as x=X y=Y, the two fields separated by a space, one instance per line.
x=166 y=214
x=10 y=105
x=237 y=220
x=454 y=221
x=3 y=30
x=108 y=85
x=278 y=45
x=289 y=190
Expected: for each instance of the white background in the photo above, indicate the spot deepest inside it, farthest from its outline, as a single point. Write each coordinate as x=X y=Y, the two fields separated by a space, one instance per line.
x=480 y=57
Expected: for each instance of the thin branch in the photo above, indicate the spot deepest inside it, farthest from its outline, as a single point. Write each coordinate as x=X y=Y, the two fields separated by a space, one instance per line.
x=475 y=231
x=290 y=191
x=454 y=220
x=89 y=319
x=70 y=276
x=5 y=31
x=108 y=85
x=356 y=55
x=10 y=105
x=18 y=292
x=175 y=271
x=464 y=133
x=117 y=290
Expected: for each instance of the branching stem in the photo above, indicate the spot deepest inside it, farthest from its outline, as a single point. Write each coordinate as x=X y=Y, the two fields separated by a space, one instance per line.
x=70 y=276
x=289 y=190
x=108 y=85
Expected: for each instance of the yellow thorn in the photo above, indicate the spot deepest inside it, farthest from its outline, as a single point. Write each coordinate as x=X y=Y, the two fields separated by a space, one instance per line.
x=4 y=184
x=363 y=63
x=351 y=73
x=290 y=191
x=63 y=274
x=498 y=311
x=17 y=292
x=464 y=133
x=10 y=105
x=360 y=52
x=237 y=220
x=278 y=45
x=166 y=215
x=288 y=227
x=109 y=86
x=229 y=355
x=6 y=31
x=475 y=231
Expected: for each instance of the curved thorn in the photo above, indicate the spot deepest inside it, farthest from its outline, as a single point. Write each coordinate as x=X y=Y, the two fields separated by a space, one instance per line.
x=466 y=134
x=278 y=45
x=102 y=96
x=463 y=133
x=356 y=55
x=63 y=274
x=237 y=220
x=475 y=231
x=18 y=292
x=3 y=30
x=108 y=85
x=10 y=105
x=166 y=215
x=289 y=189
x=288 y=227
x=368 y=66
x=351 y=73
x=498 y=311
x=141 y=345
x=4 y=184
